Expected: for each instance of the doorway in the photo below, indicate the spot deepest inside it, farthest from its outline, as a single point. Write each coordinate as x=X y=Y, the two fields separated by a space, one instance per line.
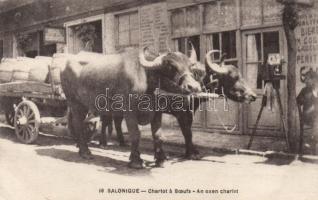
x=257 y=45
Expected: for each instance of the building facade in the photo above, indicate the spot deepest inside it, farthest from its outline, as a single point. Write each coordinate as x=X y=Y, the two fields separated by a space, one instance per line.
x=246 y=30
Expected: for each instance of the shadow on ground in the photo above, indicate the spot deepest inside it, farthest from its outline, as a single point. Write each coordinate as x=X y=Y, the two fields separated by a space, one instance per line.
x=109 y=164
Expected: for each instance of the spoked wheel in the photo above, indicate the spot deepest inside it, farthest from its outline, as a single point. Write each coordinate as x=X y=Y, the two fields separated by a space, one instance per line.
x=9 y=114
x=27 y=122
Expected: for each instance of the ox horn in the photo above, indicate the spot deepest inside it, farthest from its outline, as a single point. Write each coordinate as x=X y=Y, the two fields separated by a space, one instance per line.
x=213 y=66
x=193 y=55
x=150 y=64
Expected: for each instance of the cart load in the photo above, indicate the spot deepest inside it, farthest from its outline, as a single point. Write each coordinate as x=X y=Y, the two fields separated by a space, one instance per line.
x=24 y=69
x=30 y=91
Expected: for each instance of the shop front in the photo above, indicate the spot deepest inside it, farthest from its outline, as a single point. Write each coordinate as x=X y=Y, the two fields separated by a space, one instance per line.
x=247 y=32
x=44 y=41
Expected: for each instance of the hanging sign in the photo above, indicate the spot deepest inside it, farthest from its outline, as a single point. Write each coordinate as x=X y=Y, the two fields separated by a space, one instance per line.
x=54 y=35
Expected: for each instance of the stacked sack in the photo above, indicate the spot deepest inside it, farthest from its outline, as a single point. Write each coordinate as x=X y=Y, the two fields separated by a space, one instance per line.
x=33 y=69
x=7 y=66
x=40 y=70
x=24 y=69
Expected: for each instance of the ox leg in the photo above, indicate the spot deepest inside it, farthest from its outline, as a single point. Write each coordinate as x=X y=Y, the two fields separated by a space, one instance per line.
x=185 y=122
x=110 y=128
x=160 y=156
x=106 y=121
x=70 y=126
x=120 y=137
x=315 y=137
x=77 y=124
x=132 y=125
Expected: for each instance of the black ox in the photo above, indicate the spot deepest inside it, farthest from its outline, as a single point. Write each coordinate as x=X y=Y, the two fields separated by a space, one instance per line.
x=213 y=77
x=87 y=76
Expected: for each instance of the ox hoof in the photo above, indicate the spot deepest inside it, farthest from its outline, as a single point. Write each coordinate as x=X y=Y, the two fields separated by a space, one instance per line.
x=136 y=164
x=87 y=156
x=103 y=145
x=123 y=144
x=192 y=156
x=160 y=163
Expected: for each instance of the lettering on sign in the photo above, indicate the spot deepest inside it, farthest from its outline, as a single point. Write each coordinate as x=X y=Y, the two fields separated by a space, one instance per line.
x=307 y=42
x=54 y=35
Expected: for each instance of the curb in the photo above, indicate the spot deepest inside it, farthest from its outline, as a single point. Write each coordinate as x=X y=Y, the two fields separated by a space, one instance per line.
x=267 y=154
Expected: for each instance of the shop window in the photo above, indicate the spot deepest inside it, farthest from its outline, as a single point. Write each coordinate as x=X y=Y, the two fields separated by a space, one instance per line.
x=127 y=30
x=1 y=49
x=46 y=49
x=87 y=37
x=259 y=45
x=184 y=45
x=226 y=43
x=28 y=44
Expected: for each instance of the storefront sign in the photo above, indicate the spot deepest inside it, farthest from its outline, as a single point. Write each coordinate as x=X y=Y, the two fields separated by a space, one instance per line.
x=307 y=42
x=54 y=35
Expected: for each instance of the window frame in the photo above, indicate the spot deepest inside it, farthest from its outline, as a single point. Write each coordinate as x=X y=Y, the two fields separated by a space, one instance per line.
x=129 y=13
x=282 y=51
x=68 y=27
x=234 y=59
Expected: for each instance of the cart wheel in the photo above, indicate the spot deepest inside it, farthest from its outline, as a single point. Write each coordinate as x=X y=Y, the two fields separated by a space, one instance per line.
x=9 y=114
x=27 y=122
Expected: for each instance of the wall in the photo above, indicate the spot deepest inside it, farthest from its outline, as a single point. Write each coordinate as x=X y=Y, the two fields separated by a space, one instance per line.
x=49 y=10
x=154 y=29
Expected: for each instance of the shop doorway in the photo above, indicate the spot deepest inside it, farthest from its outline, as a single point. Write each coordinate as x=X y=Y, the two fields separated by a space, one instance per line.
x=257 y=45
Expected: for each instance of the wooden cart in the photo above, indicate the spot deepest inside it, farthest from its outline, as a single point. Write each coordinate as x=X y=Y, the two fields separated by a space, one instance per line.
x=32 y=105
x=27 y=103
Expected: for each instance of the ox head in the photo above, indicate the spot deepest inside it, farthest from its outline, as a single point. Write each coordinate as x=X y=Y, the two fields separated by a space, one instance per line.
x=229 y=78
x=174 y=67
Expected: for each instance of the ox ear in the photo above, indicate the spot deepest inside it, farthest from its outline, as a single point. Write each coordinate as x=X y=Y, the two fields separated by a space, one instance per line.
x=213 y=66
x=157 y=62
x=193 y=55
